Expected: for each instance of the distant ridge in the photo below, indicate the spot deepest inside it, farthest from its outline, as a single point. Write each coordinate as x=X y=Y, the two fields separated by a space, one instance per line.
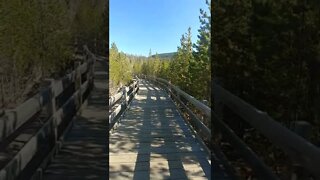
x=165 y=55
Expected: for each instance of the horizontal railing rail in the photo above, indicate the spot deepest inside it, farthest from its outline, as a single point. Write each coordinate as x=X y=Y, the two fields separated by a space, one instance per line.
x=176 y=93
x=122 y=98
x=57 y=118
x=298 y=148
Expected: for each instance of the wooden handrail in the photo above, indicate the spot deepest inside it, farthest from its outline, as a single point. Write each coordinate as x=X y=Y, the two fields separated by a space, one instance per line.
x=198 y=104
x=298 y=148
x=204 y=131
x=261 y=169
x=115 y=98
x=50 y=131
x=124 y=99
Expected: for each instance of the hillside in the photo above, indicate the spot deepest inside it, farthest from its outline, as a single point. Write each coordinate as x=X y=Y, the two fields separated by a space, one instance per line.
x=165 y=55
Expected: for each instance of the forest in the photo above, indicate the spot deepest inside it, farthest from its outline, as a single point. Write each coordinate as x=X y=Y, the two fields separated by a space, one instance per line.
x=189 y=68
x=265 y=52
x=39 y=38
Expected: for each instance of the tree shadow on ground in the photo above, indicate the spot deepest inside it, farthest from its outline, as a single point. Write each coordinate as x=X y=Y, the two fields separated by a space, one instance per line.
x=84 y=151
x=153 y=141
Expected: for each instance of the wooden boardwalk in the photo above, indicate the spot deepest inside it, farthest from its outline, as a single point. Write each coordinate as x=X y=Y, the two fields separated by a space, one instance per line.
x=153 y=141
x=84 y=152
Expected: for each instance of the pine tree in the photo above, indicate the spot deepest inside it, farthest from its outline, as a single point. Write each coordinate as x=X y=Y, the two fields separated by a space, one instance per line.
x=120 y=68
x=114 y=67
x=182 y=60
x=201 y=65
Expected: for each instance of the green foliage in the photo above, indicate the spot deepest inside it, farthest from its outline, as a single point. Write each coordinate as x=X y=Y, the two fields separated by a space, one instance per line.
x=36 y=37
x=181 y=62
x=189 y=68
x=40 y=32
x=35 y=32
x=120 y=68
x=266 y=52
x=200 y=66
x=88 y=19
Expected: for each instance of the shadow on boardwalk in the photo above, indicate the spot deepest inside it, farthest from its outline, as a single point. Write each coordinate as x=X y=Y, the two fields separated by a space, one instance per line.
x=154 y=142
x=84 y=152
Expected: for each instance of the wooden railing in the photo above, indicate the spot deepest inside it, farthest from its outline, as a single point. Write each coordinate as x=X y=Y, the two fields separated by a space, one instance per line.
x=122 y=99
x=33 y=132
x=296 y=147
x=185 y=100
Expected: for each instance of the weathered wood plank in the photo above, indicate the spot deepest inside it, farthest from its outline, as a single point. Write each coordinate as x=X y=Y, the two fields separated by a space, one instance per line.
x=157 y=174
x=14 y=118
x=59 y=85
x=124 y=99
x=83 y=67
x=114 y=99
x=83 y=154
x=36 y=134
x=135 y=157
x=153 y=141
x=25 y=154
x=162 y=165
x=154 y=146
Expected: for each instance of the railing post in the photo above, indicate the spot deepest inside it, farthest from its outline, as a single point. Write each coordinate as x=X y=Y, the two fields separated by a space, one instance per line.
x=169 y=88
x=90 y=61
x=95 y=46
x=78 y=82
x=138 y=81
x=124 y=92
x=52 y=96
x=52 y=109
x=90 y=76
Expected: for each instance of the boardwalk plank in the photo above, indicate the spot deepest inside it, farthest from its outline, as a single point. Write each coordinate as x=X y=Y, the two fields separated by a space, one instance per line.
x=84 y=152
x=153 y=141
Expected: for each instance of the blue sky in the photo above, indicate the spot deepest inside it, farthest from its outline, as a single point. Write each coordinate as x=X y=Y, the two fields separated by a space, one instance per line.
x=137 y=26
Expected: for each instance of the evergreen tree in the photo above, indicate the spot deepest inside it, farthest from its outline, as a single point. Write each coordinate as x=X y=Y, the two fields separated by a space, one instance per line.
x=120 y=69
x=181 y=61
x=200 y=67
